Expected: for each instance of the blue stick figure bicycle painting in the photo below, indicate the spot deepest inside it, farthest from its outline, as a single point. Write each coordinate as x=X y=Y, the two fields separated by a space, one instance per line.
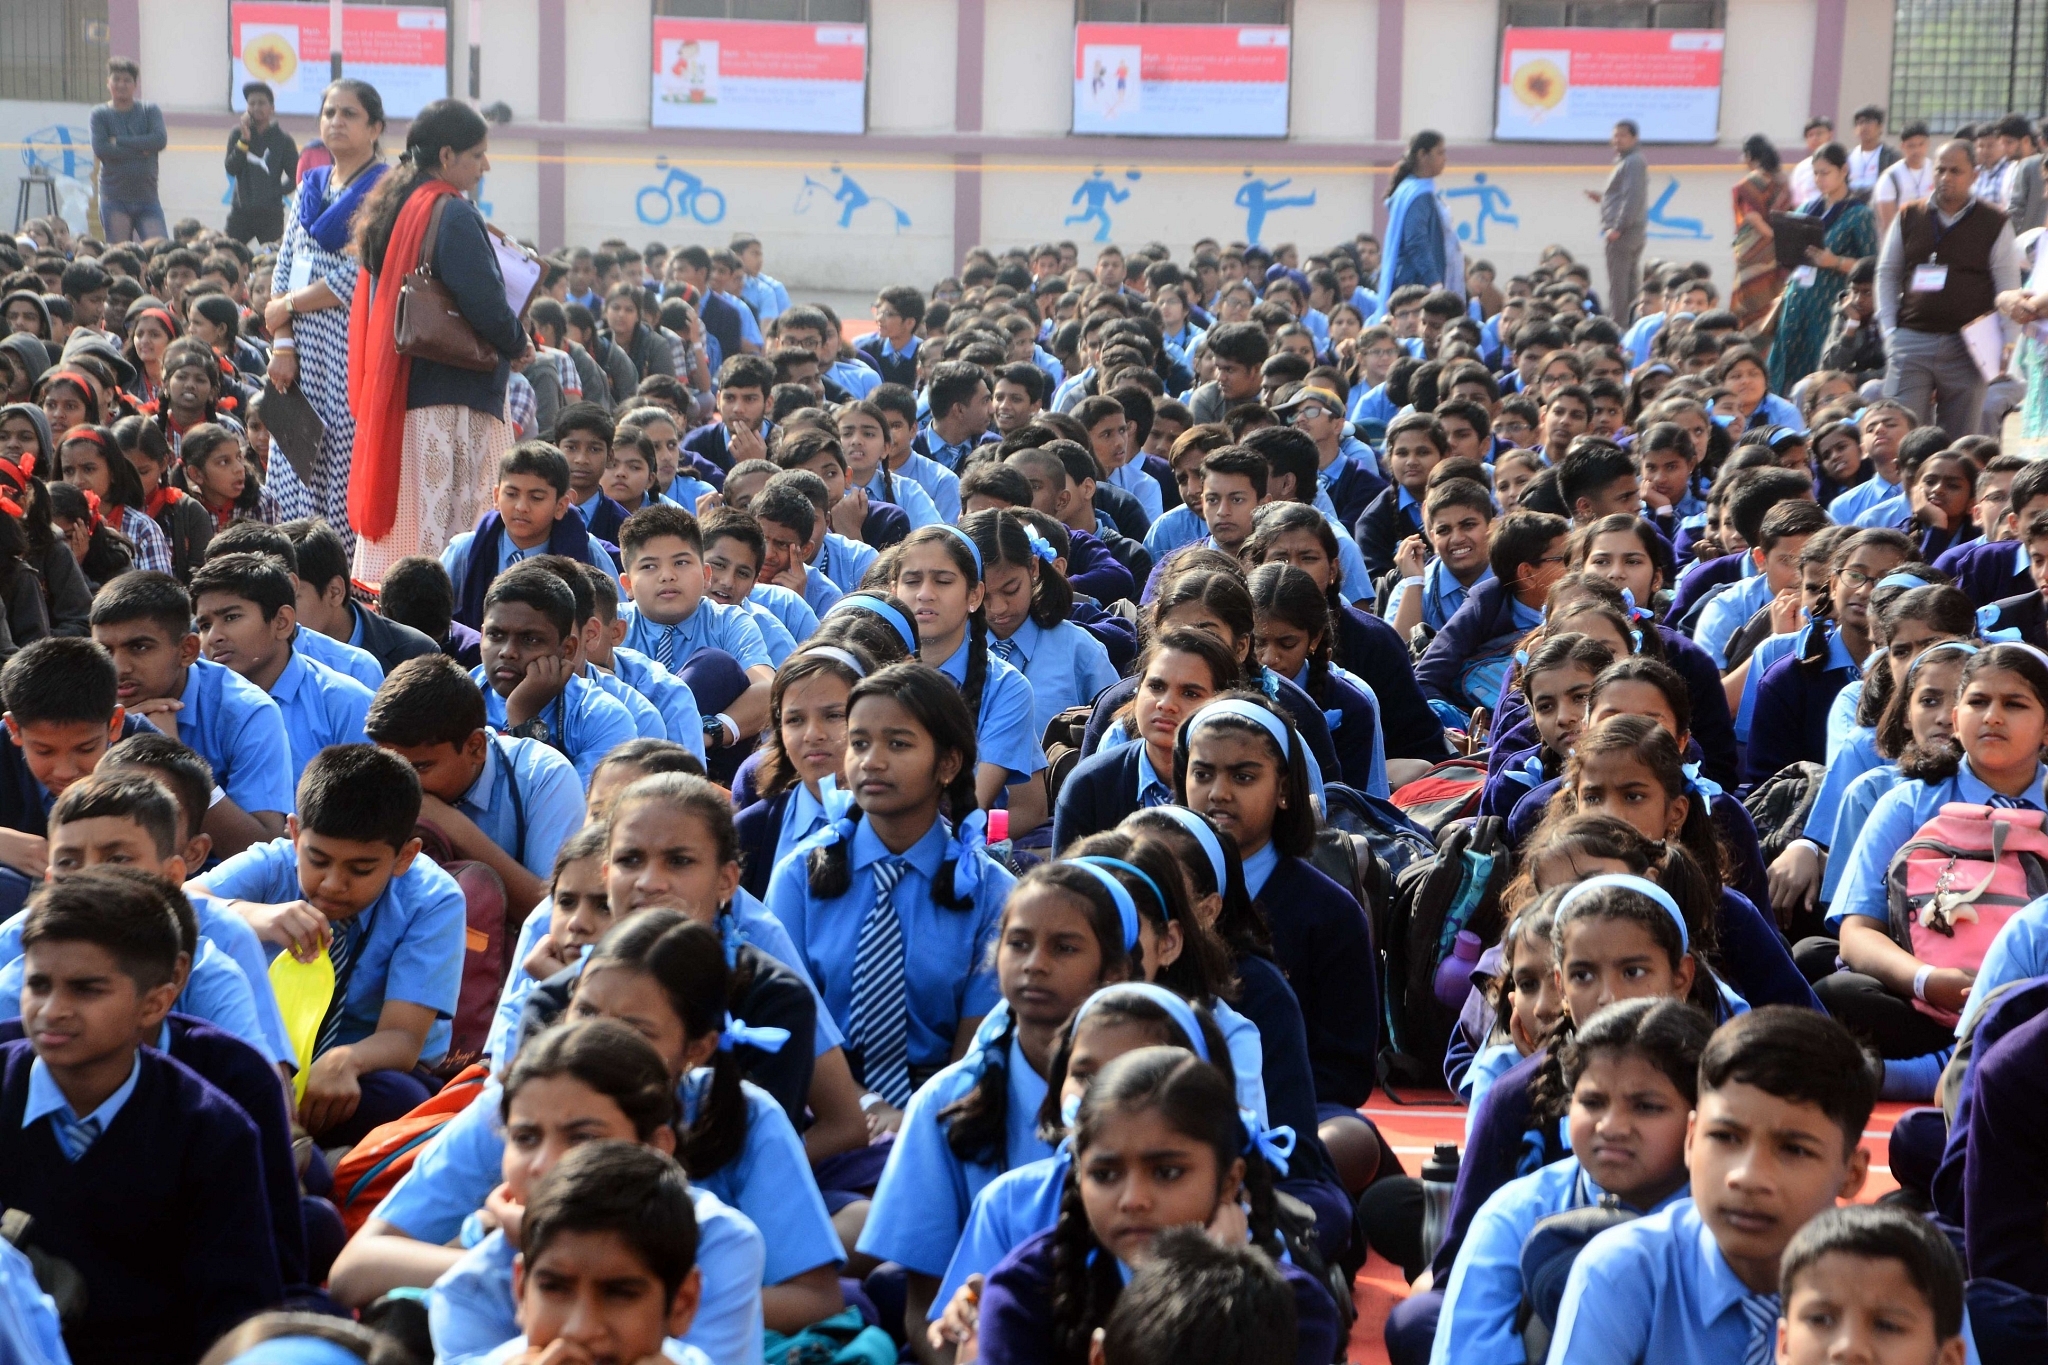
x=1490 y=200
x=1664 y=225
x=1260 y=197
x=681 y=195
x=850 y=197
x=1097 y=193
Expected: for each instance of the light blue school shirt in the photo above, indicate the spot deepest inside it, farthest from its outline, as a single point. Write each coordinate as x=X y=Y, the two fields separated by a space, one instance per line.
x=347 y=659
x=1851 y=504
x=843 y=561
x=235 y=726
x=671 y=696
x=1372 y=406
x=410 y=941
x=1065 y=665
x=1768 y=651
x=1895 y=818
x=1442 y=594
x=499 y=1044
x=1069 y=392
x=1006 y=736
x=216 y=990
x=1489 y=1065
x=1258 y=868
x=1132 y=478
x=947 y=976
x=455 y=558
x=1890 y=512
x=765 y=295
x=712 y=625
x=45 y=1098
x=320 y=707
x=1477 y=1321
x=30 y=1332
x=1639 y=337
x=1727 y=611
x=1842 y=726
x=585 y=721
x=802 y=816
x=821 y=592
x=934 y=478
x=1153 y=790
x=1851 y=814
x=926 y=1191
x=1176 y=526
x=1857 y=756
x=770 y=1182
x=856 y=377
x=911 y=496
x=684 y=490
x=1009 y=1211
x=789 y=609
x=781 y=644
x=527 y=800
x=647 y=721
x=470 y=1309
x=946 y=453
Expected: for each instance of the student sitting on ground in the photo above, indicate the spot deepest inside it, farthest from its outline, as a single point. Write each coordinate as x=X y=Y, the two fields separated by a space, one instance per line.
x=1467 y=661
x=671 y=696
x=533 y=687
x=326 y=607
x=530 y=516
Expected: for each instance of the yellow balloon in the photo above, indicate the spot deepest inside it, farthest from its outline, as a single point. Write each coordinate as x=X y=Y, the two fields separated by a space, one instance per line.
x=303 y=991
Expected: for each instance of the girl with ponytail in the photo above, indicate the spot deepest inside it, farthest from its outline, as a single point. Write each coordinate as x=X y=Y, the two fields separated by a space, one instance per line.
x=1027 y=605
x=1421 y=246
x=1294 y=638
x=186 y=525
x=92 y=462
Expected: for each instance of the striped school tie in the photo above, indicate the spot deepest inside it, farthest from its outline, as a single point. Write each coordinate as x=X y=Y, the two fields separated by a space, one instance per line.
x=1006 y=650
x=341 y=951
x=665 y=648
x=880 y=1021
x=2000 y=801
x=1760 y=1311
x=75 y=1136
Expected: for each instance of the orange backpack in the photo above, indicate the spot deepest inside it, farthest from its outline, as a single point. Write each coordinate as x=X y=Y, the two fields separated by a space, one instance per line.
x=387 y=1151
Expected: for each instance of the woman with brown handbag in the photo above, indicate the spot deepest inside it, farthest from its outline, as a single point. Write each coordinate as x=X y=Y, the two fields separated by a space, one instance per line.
x=430 y=348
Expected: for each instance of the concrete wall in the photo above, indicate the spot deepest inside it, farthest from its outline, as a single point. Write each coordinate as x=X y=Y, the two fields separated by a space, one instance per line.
x=971 y=143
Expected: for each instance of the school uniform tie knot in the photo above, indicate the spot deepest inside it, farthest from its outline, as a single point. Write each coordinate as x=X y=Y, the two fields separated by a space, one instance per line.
x=2000 y=801
x=1006 y=650
x=75 y=1136
x=665 y=648
x=880 y=1019
x=1760 y=1311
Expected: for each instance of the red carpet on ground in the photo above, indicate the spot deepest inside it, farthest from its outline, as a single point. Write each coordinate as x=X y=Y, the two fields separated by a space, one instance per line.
x=1413 y=1129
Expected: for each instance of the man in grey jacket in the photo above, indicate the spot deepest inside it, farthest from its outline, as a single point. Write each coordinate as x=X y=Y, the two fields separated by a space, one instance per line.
x=127 y=135
x=1624 y=218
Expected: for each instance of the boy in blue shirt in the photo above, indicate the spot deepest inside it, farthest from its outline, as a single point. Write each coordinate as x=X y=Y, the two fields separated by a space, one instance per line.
x=326 y=609
x=670 y=696
x=247 y=614
x=530 y=516
x=1872 y=1279
x=901 y=459
x=1440 y=568
x=257 y=538
x=799 y=549
x=137 y=1172
x=1784 y=1095
x=734 y=546
x=144 y=620
x=532 y=672
x=348 y=881
x=583 y=433
x=857 y=513
x=672 y=623
x=500 y=800
x=61 y=717
x=647 y=721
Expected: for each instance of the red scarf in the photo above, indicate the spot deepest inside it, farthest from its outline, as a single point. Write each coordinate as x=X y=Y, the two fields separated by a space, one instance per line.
x=378 y=375
x=164 y=496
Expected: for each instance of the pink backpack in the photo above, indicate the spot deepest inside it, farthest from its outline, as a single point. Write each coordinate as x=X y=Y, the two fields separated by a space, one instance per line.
x=1955 y=883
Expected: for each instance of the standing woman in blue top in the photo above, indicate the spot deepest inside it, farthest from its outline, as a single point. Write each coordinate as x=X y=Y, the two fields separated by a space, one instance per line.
x=1293 y=639
x=805 y=745
x=937 y=571
x=890 y=872
x=1027 y=605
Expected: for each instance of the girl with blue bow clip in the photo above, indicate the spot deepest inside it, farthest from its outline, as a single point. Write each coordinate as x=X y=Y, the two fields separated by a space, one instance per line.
x=1027 y=603
x=1158 y=1142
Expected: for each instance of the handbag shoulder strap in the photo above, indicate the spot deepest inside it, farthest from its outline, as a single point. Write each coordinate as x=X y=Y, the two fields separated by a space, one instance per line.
x=433 y=234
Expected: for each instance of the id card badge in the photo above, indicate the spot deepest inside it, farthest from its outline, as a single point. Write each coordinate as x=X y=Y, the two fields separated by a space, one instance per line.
x=1804 y=276
x=1930 y=278
x=301 y=273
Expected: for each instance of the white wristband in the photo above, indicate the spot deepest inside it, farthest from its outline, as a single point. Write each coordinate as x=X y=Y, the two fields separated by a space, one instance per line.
x=870 y=1101
x=1412 y=581
x=283 y=343
x=1920 y=983
x=732 y=727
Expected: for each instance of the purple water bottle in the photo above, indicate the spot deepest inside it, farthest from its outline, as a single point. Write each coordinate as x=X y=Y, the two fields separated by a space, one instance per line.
x=1454 y=973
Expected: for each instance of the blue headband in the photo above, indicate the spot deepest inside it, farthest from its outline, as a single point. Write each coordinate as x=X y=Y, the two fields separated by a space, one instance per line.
x=1205 y=835
x=879 y=606
x=1642 y=886
x=298 y=1350
x=1181 y=1012
x=1126 y=908
x=1961 y=646
x=966 y=540
x=1899 y=578
x=1103 y=860
x=739 y=1033
x=1244 y=710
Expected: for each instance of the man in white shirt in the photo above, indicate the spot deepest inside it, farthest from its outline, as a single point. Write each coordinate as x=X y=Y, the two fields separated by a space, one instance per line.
x=1870 y=156
x=1820 y=131
x=1910 y=177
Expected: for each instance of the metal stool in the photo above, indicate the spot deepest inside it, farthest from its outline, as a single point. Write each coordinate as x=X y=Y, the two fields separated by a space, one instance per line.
x=36 y=179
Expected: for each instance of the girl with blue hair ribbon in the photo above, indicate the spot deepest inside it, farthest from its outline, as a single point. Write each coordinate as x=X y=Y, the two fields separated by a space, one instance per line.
x=1028 y=606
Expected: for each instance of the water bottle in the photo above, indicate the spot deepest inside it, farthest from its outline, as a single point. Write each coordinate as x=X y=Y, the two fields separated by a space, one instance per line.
x=1454 y=973
x=1439 y=1179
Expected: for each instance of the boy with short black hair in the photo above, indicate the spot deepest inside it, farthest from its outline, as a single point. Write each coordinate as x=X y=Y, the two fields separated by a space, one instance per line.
x=529 y=671
x=734 y=548
x=1465 y=663
x=416 y=592
x=798 y=552
x=348 y=880
x=327 y=608
x=143 y=1177
x=1597 y=478
x=531 y=517
x=583 y=432
x=246 y=614
x=1239 y=349
x=647 y=721
x=1870 y=1275
x=1774 y=1141
x=1234 y=483
x=900 y=454
x=1438 y=573
x=856 y=513
x=670 y=696
x=891 y=349
x=991 y=486
x=62 y=714
x=716 y=649
x=260 y=538
x=960 y=400
x=502 y=800
x=1194 y=1302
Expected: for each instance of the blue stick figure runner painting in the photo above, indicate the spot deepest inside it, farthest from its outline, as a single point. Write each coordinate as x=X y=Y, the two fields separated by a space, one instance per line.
x=1099 y=192
x=1688 y=229
x=1259 y=197
x=1490 y=200
x=849 y=196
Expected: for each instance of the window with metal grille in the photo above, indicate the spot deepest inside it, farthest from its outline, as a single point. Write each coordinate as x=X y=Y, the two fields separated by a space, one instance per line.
x=1183 y=11
x=1609 y=14
x=1963 y=61
x=53 y=50
x=800 y=11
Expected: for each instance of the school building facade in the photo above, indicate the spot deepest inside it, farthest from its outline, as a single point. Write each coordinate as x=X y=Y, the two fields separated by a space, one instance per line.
x=970 y=106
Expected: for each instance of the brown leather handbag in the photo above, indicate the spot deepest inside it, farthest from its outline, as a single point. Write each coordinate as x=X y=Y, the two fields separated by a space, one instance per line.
x=430 y=326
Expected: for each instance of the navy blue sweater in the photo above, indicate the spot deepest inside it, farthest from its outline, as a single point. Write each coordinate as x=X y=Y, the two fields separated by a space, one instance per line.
x=1486 y=620
x=466 y=264
x=1323 y=942
x=1099 y=793
x=164 y=1215
x=1984 y=570
x=1375 y=651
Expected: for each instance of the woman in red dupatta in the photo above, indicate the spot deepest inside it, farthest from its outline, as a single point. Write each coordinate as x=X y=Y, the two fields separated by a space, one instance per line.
x=1758 y=195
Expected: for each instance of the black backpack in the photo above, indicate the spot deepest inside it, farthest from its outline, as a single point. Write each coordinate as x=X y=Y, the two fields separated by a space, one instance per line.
x=1780 y=805
x=1434 y=898
x=1062 y=745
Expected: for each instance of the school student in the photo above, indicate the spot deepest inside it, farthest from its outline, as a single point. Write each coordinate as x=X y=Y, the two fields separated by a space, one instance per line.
x=111 y=1146
x=529 y=516
x=717 y=650
x=1466 y=662
x=674 y=474
x=583 y=433
x=1062 y=478
x=742 y=429
x=348 y=881
x=1782 y=1091
x=91 y=461
x=1027 y=606
x=1293 y=640
x=629 y=472
x=246 y=614
x=799 y=549
x=902 y=460
x=186 y=525
x=850 y=510
x=864 y=441
x=1415 y=444
x=254 y=537
x=1441 y=566
x=735 y=548
x=326 y=607
x=1996 y=567
x=805 y=745
x=1734 y=621
x=557 y=933
x=532 y=686
x=631 y=677
x=1556 y=685
x=503 y=800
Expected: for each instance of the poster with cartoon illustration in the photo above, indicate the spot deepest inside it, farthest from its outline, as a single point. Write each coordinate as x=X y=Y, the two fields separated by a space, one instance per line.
x=764 y=76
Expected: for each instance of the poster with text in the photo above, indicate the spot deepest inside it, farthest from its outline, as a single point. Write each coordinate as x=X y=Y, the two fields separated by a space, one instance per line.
x=760 y=76
x=1572 y=84
x=400 y=49
x=1181 y=80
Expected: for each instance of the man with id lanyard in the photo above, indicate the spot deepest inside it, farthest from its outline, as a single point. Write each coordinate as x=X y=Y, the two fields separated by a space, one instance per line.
x=1944 y=262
